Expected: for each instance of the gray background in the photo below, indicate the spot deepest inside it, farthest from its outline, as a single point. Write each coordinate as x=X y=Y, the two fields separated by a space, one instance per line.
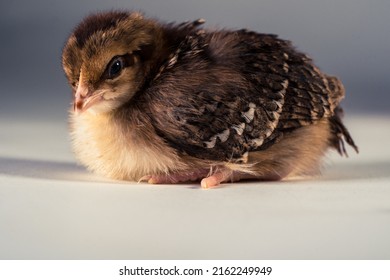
x=51 y=208
x=348 y=38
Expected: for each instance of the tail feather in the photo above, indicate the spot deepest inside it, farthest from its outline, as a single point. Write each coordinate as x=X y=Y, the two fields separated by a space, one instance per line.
x=340 y=133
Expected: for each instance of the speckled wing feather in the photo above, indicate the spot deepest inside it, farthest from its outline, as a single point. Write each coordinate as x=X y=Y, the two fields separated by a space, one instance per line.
x=224 y=94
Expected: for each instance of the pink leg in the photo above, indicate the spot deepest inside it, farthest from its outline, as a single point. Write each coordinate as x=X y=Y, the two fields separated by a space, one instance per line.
x=221 y=175
x=207 y=181
x=185 y=176
x=227 y=175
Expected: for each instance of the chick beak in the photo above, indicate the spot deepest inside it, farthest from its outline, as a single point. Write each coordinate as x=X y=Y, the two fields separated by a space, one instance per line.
x=84 y=99
x=79 y=98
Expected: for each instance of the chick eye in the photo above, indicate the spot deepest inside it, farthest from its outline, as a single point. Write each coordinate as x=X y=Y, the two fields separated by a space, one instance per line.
x=115 y=67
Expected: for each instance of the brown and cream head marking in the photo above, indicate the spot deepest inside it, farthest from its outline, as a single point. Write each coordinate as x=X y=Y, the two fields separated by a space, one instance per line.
x=107 y=59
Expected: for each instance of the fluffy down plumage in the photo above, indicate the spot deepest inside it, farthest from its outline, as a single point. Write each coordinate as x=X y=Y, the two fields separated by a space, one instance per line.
x=174 y=102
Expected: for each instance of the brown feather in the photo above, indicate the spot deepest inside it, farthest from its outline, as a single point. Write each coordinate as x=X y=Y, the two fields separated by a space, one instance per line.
x=188 y=99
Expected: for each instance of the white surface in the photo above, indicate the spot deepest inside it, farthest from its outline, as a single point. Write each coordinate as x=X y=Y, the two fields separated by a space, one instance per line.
x=50 y=208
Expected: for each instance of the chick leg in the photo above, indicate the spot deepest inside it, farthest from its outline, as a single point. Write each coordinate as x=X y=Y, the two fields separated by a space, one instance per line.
x=228 y=175
x=185 y=176
x=207 y=180
x=210 y=179
x=213 y=180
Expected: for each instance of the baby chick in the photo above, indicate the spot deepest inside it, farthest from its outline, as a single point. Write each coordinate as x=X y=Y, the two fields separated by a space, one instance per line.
x=169 y=103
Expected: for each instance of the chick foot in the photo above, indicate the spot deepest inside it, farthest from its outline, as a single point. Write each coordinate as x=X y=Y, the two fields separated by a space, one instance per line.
x=227 y=175
x=216 y=178
x=187 y=176
x=211 y=179
x=207 y=178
